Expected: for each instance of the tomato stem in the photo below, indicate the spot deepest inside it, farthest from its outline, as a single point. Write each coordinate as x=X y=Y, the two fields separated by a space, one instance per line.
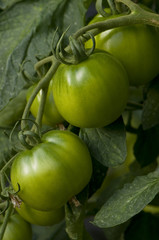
x=40 y=63
x=5 y=221
x=112 y=6
x=42 y=83
x=99 y=8
x=137 y=16
x=4 y=168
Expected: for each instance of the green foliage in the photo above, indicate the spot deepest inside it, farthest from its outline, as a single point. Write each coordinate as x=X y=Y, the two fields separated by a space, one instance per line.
x=26 y=32
x=108 y=144
x=128 y=201
x=122 y=184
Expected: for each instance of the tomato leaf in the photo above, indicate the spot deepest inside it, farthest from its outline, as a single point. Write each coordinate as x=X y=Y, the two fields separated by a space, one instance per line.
x=26 y=31
x=146 y=147
x=108 y=144
x=150 y=117
x=128 y=201
x=143 y=226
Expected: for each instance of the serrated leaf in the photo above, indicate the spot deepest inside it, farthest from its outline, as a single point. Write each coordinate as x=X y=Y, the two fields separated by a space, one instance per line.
x=146 y=147
x=143 y=226
x=108 y=144
x=26 y=30
x=150 y=117
x=128 y=201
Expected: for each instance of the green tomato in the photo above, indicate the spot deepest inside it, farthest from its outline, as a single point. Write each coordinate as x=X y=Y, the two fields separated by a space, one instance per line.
x=136 y=46
x=51 y=116
x=42 y=218
x=92 y=93
x=53 y=171
x=17 y=229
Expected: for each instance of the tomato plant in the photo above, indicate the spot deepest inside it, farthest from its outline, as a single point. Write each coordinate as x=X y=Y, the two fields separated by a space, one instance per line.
x=103 y=166
x=132 y=45
x=51 y=115
x=85 y=93
x=50 y=173
x=42 y=218
x=17 y=229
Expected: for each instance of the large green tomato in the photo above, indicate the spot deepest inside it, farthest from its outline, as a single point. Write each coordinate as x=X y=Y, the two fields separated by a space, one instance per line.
x=51 y=116
x=42 y=218
x=136 y=46
x=92 y=93
x=17 y=229
x=53 y=171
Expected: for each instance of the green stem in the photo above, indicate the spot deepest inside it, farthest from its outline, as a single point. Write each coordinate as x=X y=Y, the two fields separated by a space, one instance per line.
x=3 y=185
x=8 y=164
x=112 y=6
x=137 y=16
x=41 y=63
x=5 y=220
x=99 y=8
x=42 y=83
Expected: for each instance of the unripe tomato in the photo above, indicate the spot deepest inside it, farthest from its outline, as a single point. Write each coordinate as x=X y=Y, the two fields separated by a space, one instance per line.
x=51 y=116
x=92 y=93
x=17 y=229
x=53 y=171
x=42 y=218
x=136 y=46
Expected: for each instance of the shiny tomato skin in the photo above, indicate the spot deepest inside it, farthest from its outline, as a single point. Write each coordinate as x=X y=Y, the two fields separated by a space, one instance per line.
x=51 y=116
x=41 y=218
x=17 y=229
x=50 y=173
x=136 y=46
x=92 y=93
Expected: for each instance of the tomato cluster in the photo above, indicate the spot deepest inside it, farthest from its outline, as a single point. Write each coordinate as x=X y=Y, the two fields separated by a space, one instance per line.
x=90 y=94
x=49 y=175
